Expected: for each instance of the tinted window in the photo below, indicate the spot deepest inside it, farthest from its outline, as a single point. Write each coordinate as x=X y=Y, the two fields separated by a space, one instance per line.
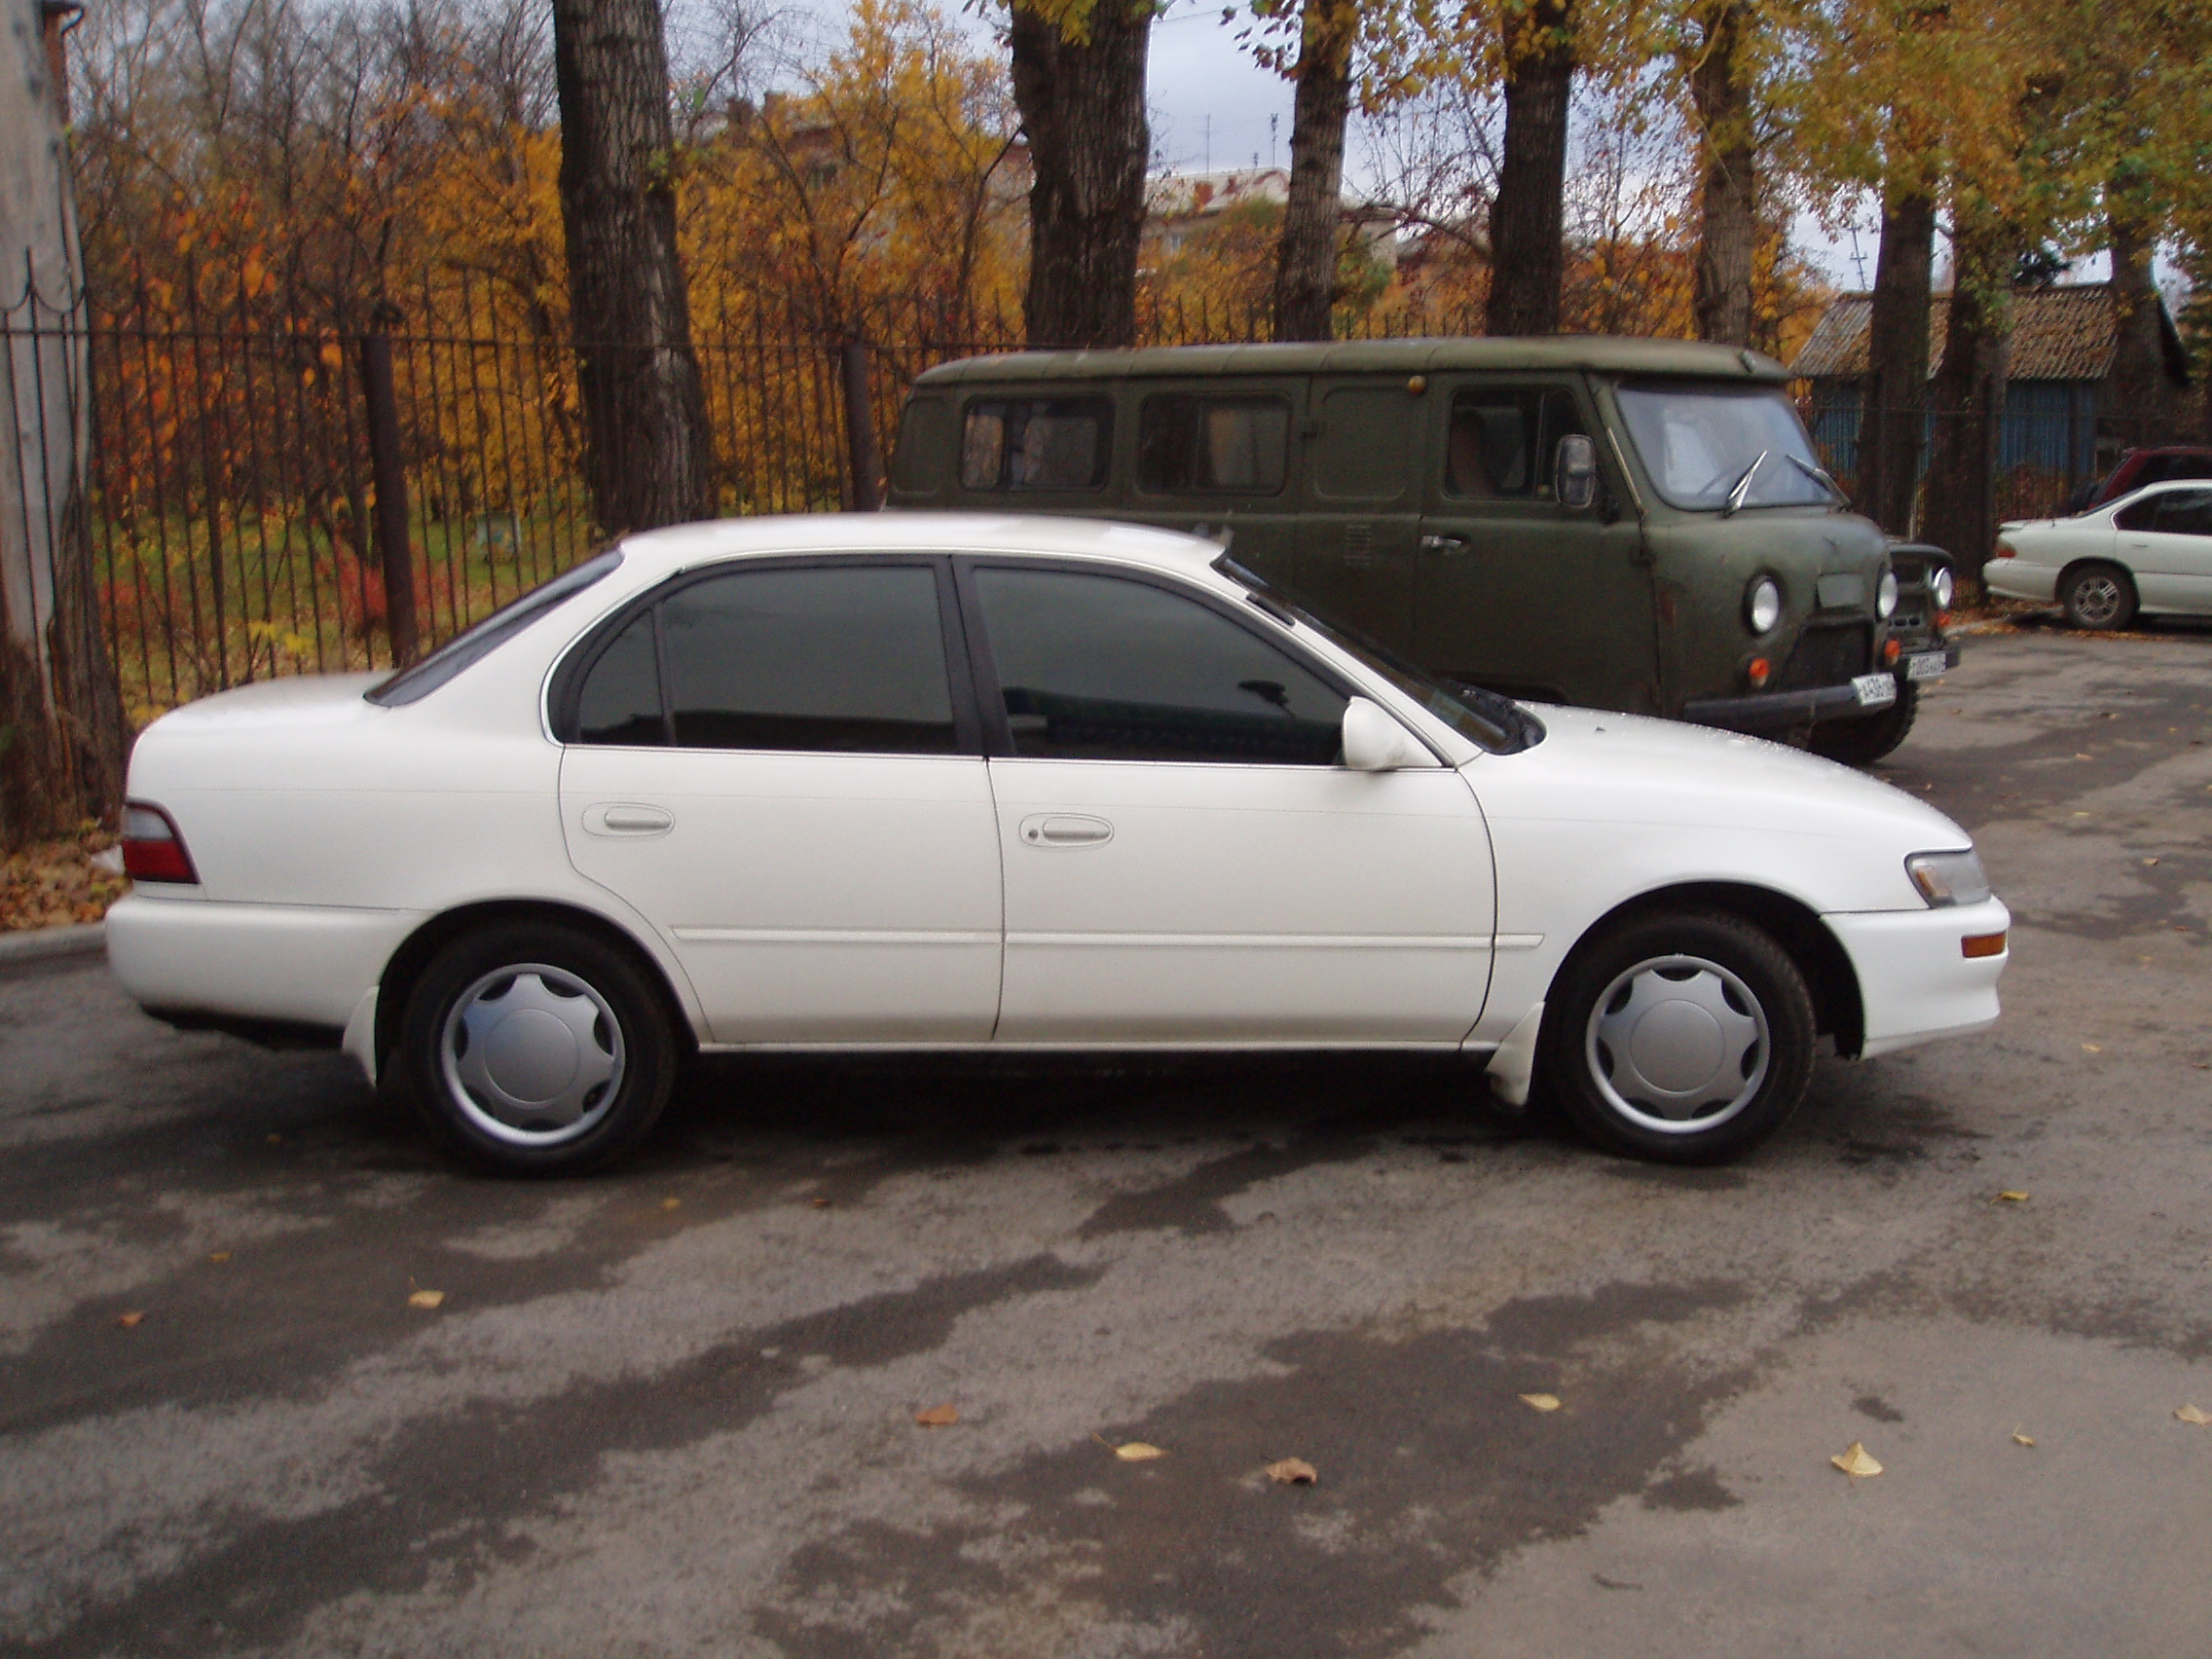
x=409 y=685
x=1099 y=668
x=2177 y=513
x=1056 y=442
x=848 y=658
x=1501 y=443
x=620 y=700
x=1187 y=443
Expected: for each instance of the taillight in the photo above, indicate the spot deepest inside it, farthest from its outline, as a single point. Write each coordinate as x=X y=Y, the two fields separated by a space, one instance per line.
x=2006 y=550
x=152 y=849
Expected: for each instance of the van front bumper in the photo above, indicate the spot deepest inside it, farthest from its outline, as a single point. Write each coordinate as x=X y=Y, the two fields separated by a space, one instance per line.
x=1770 y=711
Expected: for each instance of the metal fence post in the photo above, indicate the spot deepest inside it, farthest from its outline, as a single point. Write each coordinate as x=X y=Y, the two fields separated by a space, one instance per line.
x=865 y=456
x=389 y=478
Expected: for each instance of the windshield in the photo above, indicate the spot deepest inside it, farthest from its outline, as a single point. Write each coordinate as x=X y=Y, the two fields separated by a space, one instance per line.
x=1498 y=723
x=1724 y=447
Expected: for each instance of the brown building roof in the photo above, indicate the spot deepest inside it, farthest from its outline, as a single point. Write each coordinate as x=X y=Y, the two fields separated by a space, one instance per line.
x=2058 y=334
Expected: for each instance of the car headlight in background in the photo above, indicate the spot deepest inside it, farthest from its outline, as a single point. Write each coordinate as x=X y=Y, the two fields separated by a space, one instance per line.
x=1942 y=587
x=1762 y=604
x=1949 y=878
x=1886 y=595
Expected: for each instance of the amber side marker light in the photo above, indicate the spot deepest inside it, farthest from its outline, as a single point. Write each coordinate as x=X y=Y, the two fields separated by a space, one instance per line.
x=1758 y=672
x=1982 y=944
x=1892 y=650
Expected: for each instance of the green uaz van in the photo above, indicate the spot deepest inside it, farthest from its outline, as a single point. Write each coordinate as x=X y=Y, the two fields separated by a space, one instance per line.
x=1622 y=524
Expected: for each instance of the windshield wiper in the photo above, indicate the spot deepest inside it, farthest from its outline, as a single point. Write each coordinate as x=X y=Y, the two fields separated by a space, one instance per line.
x=1819 y=476
x=1742 y=487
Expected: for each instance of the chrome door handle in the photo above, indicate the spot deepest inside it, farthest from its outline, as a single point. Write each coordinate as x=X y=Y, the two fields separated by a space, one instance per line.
x=627 y=818
x=1065 y=830
x=1445 y=544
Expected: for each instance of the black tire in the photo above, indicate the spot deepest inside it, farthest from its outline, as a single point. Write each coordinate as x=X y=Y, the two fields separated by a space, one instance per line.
x=1862 y=741
x=565 y=1065
x=2098 y=597
x=1756 y=1035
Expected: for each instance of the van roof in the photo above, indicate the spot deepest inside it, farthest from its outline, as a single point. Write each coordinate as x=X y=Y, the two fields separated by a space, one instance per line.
x=1601 y=353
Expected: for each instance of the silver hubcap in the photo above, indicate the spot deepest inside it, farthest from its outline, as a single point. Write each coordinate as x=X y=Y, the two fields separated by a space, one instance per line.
x=2096 y=601
x=533 y=1056
x=1677 y=1045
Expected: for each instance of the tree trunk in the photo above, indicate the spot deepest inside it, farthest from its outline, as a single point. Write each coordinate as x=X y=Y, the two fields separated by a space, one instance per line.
x=1305 y=261
x=62 y=735
x=1527 y=252
x=1960 y=512
x=648 y=452
x=1727 y=180
x=2138 y=400
x=1895 y=394
x=1082 y=108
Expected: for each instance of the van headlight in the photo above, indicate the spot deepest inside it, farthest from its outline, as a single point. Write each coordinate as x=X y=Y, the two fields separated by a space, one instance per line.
x=1943 y=586
x=1945 y=879
x=1886 y=595
x=1762 y=604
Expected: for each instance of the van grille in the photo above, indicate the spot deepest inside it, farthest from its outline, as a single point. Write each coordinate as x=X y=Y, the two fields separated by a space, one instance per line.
x=1827 y=656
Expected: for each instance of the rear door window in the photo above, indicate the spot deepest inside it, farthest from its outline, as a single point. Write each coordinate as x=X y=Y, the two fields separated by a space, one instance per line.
x=1036 y=444
x=1191 y=444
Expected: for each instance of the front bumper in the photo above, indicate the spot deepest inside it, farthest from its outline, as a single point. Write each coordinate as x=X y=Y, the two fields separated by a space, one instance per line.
x=1771 y=711
x=1915 y=981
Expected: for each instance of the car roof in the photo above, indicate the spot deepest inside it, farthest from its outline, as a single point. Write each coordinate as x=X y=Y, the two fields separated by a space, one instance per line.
x=658 y=552
x=1603 y=352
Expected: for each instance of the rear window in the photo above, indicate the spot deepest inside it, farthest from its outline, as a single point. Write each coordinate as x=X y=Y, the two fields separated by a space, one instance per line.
x=473 y=644
x=1189 y=444
x=1022 y=444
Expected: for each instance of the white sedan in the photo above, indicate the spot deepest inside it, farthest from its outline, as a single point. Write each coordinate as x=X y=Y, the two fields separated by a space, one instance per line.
x=2146 y=553
x=935 y=782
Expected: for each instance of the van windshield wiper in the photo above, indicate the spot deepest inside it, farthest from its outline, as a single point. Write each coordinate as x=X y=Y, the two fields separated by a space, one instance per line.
x=1743 y=485
x=1819 y=476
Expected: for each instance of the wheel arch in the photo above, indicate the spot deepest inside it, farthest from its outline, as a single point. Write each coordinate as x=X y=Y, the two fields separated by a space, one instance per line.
x=422 y=947
x=1837 y=1009
x=2094 y=561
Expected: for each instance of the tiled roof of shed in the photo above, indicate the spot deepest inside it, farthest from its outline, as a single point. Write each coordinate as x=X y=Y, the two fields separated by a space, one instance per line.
x=2058 y=334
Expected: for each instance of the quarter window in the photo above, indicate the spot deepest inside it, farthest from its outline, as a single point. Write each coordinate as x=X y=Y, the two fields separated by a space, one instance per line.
x=620 y=701
x=1022 y=444
x=1189 y=444
x=1100 y=668
x=1501 y=443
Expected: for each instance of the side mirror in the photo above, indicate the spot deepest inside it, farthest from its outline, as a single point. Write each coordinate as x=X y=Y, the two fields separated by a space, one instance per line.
x=1374 y=741
x=1575 y=475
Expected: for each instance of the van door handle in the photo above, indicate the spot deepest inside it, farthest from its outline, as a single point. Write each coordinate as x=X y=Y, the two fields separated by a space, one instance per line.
x=1065 y=830
x=1445 y=544
x=627 y=818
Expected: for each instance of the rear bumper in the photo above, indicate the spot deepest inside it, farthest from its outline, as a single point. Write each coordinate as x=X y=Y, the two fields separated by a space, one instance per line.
x=2011 y=579
x=1915 y=981
x=271 y=971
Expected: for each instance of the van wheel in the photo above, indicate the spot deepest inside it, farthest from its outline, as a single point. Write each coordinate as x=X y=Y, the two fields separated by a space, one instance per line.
x=2098 y=597
x=1682 y=1037
x=1862 y=741
x=533 y=1048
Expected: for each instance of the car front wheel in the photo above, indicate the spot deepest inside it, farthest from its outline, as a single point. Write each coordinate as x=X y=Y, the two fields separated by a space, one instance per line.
x=533 y=1048
x=2098 y=597
x=1684 y=1037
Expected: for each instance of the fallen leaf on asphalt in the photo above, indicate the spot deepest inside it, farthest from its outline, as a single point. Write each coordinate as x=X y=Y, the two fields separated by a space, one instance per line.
x=219 y=1257
x=131 y=1321
x=2188 y=1414
x=671 y=1203
x=2019 y=1439
x=939 y=1416
x=2091 y=1049
x=425 y=1298
x=2009 y=1199
x=1138 y=1451
x=275 y=1141
x=2149 y=861
x=1292 y=1471
x=1855 y=1461
x=821 y=1203
x=1542 y=1402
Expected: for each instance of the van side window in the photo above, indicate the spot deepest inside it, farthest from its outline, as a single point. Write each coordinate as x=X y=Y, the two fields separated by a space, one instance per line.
x=1037 y=443
x=1502 y=442
x=1188 y=443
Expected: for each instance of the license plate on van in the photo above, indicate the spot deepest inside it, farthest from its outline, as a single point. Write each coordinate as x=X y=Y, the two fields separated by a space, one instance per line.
x=1927 y=665
x=1875 y=690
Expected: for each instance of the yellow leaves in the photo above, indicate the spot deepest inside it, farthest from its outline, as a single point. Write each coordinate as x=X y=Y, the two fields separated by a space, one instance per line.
x=132 y=1320
x=1855 y=1461
x=1138 y=1451
x=1541 y=1402
x=425 y=1300
x=1292 y=1471
x=2009 y=1197
x=216 y=1258
x=671 y=1203
x=333 y=355
x=2190 y=1415
x=939 y=1416
x=2019 y=1439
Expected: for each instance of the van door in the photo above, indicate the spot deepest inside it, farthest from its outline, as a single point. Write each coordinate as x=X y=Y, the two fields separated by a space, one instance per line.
x=1362 y=493
x=1217 y=459
x=1516 y=592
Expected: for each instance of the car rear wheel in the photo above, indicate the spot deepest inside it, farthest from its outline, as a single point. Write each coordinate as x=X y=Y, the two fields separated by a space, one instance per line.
x=1684 y=1037
x=533 y=1048
x=1864 y=740
x=2098 y=597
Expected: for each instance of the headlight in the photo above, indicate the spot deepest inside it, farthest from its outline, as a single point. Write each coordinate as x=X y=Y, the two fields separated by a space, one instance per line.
x=1942 y=587
x=1762 y=604
x=1886 y=595
x=1949 y=878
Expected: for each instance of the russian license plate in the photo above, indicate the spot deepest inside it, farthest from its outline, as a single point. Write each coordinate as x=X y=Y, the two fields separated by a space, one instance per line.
x=1927 y=665
x=1875 y=690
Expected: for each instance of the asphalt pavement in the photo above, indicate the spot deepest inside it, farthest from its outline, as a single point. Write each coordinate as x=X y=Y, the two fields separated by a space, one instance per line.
x=673 y=1410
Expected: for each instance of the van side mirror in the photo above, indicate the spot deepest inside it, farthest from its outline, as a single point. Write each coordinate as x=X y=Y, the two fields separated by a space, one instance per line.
x=1374 y=741
x=1574 y=479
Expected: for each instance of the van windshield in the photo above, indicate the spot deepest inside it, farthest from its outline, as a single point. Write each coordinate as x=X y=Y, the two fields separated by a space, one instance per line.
x=1713 y=447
